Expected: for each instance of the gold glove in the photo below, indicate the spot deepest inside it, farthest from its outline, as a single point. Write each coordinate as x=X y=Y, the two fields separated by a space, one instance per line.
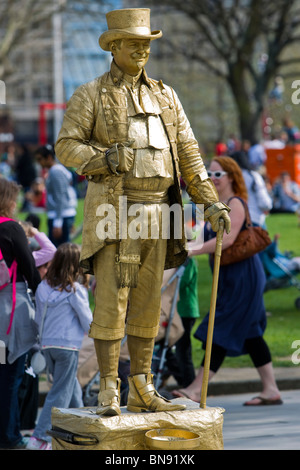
x=120 y=157
x=218 y=211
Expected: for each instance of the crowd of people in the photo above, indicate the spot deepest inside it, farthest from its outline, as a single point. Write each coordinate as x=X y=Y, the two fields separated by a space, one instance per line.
x=49 y=266
x=47 y=186
x=57 y=285
x=283 y=192
x=128 y=135
x=44 y=180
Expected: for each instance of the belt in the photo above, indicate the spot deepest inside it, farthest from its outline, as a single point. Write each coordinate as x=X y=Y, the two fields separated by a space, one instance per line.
x=146 y=197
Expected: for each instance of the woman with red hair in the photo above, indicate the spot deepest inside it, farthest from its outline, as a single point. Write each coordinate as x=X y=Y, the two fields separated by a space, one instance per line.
x=240 y=318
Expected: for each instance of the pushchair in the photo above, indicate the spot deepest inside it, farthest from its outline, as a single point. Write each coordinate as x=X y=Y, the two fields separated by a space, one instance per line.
x=171 y=328
x=281 y=269
x=170 y=331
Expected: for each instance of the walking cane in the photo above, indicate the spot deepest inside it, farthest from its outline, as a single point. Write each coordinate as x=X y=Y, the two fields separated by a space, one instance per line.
x=212 y=310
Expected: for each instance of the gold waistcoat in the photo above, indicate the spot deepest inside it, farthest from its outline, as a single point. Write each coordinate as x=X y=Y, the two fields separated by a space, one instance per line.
x=152 y=169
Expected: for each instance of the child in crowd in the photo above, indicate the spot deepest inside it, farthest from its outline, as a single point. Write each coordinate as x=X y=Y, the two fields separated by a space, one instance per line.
x=44 y=254
x=37 y=196
x=42 y=248
x=63 y=303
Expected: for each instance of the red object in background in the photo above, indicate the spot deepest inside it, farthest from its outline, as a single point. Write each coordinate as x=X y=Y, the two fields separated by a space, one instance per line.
x=286 y=159
x=221 y=149
x=43 y=107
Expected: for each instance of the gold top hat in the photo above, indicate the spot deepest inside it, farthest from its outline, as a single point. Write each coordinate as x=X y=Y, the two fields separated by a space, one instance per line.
x=128 y=23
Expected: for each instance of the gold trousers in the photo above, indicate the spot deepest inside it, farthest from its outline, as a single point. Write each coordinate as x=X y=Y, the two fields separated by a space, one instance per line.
x=132 y=311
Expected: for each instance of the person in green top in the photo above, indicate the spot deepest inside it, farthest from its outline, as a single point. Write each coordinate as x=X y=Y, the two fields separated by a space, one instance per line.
x=188 y=309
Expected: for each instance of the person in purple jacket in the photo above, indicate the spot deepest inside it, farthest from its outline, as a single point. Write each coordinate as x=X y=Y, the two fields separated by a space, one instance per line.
x=64 y=316
x=44 y=255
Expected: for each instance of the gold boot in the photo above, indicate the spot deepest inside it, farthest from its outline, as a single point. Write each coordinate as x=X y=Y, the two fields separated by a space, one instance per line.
x=109 y=397
x=108 y=360
x=142 y=396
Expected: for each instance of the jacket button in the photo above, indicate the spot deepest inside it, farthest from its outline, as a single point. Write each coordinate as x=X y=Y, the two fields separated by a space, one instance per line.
x=103 y=90
x=110 y=122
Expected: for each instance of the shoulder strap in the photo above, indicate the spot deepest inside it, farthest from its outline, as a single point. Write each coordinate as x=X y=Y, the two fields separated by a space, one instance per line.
x=248 y=218
x=13 y=274
x=4 y=219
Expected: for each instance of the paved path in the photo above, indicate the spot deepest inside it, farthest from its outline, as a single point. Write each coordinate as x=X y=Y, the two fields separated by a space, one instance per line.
x=260 y=427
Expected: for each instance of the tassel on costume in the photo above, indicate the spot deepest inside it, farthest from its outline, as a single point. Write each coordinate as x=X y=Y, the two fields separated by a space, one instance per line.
x=128 y=262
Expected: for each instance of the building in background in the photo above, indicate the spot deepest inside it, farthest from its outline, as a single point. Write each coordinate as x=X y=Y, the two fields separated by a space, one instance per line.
x=62 y=52
x=55 y=57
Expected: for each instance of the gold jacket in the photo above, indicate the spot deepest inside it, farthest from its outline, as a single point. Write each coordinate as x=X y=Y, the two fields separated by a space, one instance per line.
x=95 y=119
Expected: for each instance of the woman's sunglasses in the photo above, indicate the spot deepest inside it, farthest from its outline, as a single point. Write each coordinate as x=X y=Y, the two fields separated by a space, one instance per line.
x=216 y=174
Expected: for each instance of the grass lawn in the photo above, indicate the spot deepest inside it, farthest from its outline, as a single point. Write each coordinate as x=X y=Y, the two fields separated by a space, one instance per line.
x=43 y=219
x=284 y=322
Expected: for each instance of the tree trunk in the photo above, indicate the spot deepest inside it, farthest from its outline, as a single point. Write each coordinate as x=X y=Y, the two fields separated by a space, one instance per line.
x=251 y=123
x=249 y=106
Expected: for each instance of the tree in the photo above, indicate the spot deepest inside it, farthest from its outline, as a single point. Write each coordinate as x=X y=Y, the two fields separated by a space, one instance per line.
x=21 y=19
x=17 y=19
x=245 y=42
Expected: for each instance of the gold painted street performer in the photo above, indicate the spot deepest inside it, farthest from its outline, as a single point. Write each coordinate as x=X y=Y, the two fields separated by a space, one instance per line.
x=129 y=135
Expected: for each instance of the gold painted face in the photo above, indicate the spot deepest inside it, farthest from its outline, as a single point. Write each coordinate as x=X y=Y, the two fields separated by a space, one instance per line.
x=131 y=55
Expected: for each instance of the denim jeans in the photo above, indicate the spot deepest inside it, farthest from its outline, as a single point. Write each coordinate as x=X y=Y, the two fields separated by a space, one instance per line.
x=10 y=380
x=65 y=391
x=66 y=230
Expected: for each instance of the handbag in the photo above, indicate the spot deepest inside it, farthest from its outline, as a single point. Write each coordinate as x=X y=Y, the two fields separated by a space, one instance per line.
x=38 y=361
x=249 y=241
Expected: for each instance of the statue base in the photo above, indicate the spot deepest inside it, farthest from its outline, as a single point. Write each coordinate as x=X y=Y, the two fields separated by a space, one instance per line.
x=83 y=429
